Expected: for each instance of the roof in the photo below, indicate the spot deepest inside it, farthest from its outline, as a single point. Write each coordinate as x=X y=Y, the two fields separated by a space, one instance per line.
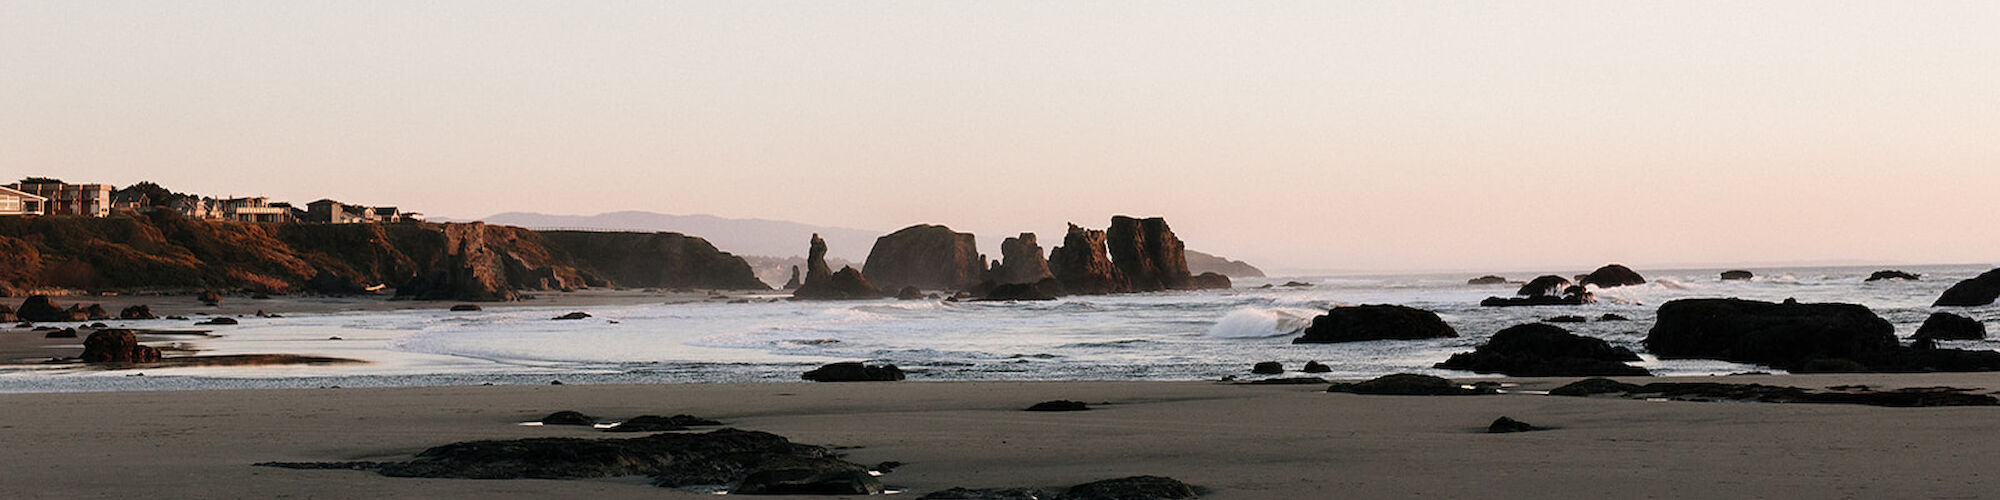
x=20 y=193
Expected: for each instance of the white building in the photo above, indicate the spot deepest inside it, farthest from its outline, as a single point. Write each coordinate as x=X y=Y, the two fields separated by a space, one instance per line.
x=18 y=202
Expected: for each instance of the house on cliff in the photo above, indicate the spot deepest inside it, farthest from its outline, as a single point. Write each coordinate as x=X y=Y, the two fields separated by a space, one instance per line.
x=59 y=198
x=18 y=202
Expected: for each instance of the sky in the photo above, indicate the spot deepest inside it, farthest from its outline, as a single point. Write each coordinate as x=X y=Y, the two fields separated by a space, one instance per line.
x=1297 y=135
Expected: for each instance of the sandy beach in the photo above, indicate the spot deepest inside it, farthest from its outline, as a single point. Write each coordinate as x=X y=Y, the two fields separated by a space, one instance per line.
x=1234 y=441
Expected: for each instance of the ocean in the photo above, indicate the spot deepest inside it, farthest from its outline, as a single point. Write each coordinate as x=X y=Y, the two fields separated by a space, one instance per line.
x=1203 y=335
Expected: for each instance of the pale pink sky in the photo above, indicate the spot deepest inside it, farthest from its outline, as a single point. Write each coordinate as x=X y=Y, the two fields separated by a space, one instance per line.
x=1385 y=135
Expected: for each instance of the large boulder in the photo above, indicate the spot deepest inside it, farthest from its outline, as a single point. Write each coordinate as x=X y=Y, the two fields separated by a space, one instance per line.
x=1544 y=286
x=7 y=314
x=854 y=371
x=117 y=346
x=824 y=284
x=42 y=309
x=1544 y=350
x=1784 y=335
x=1375 y=322
x=1083 y=264
x=1948 y=326
x=1199 y=263
x=1737 y=275
x=925 y=256
x=1131 y=488
x=1410 y=384
x=1613 y=275
x=1021 y=261
x=1978 y=291
x=1151 y=257
x=1891 y=274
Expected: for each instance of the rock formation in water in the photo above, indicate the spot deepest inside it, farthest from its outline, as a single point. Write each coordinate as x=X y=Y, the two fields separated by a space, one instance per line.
x=1149 y=254
x=824 y=284
x=1375 y=322
x=1083 y=265
x=1948 y=326
x=1487 y=280
x=1543 y=350
x=1550 y=290
x=1978 y=291
x=1737 y=275
x=1199 y=263
x=1799 y=337
x=794 y=282
x=1613 y=275
x=1209 y=281
x=926 y=256
x=654 y=260
x=1021 y=261
x=117 y=346
x=1891 y=274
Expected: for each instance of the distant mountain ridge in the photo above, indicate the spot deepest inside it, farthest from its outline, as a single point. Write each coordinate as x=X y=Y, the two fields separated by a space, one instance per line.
x=744 y=237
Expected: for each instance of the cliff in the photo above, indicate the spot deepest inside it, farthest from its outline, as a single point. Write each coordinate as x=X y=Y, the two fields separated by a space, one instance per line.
x=655 y=260
x=162 y=251
x=1199 y=263
x=925 y=256
x=1149 y=254
x=1082 y=265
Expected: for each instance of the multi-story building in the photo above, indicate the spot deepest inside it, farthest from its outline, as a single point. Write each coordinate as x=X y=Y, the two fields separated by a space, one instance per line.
x=18 y=202
x=92 y=200
x=255 y=209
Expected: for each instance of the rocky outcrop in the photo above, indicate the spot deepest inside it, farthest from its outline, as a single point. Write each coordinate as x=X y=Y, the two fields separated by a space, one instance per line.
x=1737 y=275
x=1149 y=254
x=1549 y=290
x=1411 y=384
x=824 y=284
x=1487 y=280
x=1543 y=286
x=1505 y=425
x=117 y=346
x=926 y=256
x=854 y=371
x=1135 y=487
x=1267 y=368
x=42 y=309
x=1021 y=261
x=794 y=283
x=1021 y=291
x=1211 y=281
x=1613 y=275
x=1799 y=337
x=1375 y=322
x=1543 y=350
x=1978 y=291
x=1199 y=263
x=477 y=262
x=1717 y=391
x=1891 y=274
x=1083 y=265
x=654 y=260
x=1948 y=326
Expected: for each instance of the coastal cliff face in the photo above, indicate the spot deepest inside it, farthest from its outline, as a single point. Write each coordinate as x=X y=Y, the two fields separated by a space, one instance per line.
x=162 y=251
x=925 y=256
x=654 y=260
x=1082 y=265
x=1147 y=251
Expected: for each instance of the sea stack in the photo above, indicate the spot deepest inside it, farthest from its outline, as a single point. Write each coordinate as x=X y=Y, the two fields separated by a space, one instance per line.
x=824 y=284
x=925 y=256
x=1083 y=265
x=793 y=284
x=1021 y=261
x=1149 y=254
x=1612 y=275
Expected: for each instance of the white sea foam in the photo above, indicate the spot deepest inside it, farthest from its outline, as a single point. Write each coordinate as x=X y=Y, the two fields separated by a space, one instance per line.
x=1259 y=322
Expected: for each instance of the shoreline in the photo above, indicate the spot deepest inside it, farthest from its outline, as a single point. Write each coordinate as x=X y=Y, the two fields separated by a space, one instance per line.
x=1235 y=441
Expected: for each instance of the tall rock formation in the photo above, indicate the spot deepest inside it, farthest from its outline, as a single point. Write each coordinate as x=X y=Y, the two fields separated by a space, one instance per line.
x=794 y=282
x=654 y=260
x=1149 y=254
x=1082 y=265
x=1021 y=261
x=926 y=256
x=824 y=284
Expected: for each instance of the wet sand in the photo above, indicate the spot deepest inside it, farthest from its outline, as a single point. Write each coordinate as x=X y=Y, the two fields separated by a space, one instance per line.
x=1236 y=441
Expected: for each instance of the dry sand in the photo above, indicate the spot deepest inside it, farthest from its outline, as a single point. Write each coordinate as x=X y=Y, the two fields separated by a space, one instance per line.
x=1236 y=441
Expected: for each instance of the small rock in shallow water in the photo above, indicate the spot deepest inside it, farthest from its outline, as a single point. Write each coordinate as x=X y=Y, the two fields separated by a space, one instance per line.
x=573 y=316
x=1059 y=405
x=1268 y=368
x=568 y=418
x=1316 y=367
x=854 y=371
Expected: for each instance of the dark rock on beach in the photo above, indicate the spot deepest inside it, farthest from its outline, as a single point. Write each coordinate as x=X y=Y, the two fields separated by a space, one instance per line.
x=1543 y=350
x=991 y=494
x=572 y=316
x=137 y=312
x=1612 y=317
x=1504 y=425
x=1783 y=335
x=1717 y=391
x=656 y=423
x=1410 y=384
x=1566 y=319
x=467 y=308
x=1375 y=322
x=1891 y=274
x=1268 y=368
x=925 y=256
x=1595 y=385
x=1977 y=291
x=1316 y=367
x=1613 y=275
x=1131 y=488
x=1487 y=280
x=42 y=309
x=66 y=333
x=1948 y=326
x=809 y=476
x=568 y=418
x=1737 y=275
x=219 y=320
x=854 y=371
x=1059 y=405
x=117 y=346
x=1083 y=264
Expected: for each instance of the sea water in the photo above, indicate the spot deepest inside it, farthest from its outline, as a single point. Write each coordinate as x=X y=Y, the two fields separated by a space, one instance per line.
x=1201 y=335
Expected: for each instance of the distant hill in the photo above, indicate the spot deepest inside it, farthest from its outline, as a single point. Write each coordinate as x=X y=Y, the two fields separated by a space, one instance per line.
x=743 y=237
x=1204 y=263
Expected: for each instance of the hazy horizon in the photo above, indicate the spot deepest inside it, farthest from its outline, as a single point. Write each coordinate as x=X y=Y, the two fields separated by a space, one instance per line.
x=1293 y=135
